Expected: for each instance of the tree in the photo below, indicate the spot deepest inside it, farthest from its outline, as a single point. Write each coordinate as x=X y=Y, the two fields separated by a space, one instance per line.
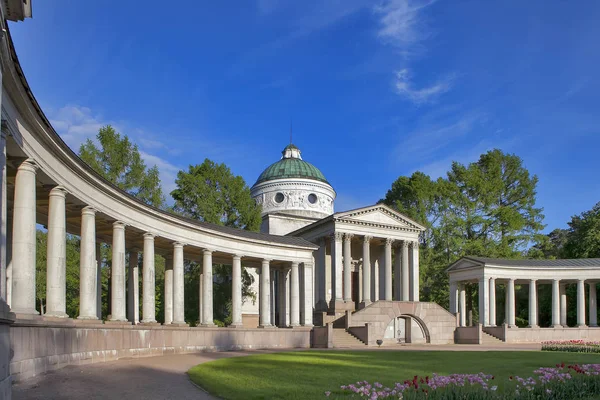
x=209 y=192
x=583 y=236
x=550 y=246
x=119 y=161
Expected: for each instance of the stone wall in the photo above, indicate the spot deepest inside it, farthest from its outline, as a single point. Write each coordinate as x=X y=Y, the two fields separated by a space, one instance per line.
x=523 y=335
x=468 y=335
x=6 y=318
x=38 y=348
x=437 y=322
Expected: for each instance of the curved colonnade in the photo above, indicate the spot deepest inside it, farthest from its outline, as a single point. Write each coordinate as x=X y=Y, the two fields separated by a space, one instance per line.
x=44 y=182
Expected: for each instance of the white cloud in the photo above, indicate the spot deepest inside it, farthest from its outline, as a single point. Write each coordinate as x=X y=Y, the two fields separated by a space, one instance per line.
x=405 y=88
x=401 y=23
x=75 y=124
x=166 y=171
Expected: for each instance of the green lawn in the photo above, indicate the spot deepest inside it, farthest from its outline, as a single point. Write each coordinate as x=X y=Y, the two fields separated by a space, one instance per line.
x=308 y=374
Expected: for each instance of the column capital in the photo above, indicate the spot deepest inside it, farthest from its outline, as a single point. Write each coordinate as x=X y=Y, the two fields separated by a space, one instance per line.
x=178 y=245
x=207 y=251
x=581 y=280
x=29 y=165
x=533 y=280
x=266 y=261
x=389 y=241
x=337 y=236
x=367 y=239
x=295 y=264
x=59 y=191
x=415 y=244
x=405 y=244
x=149 y=236
x=348 y=236
x=119 y=225
x=88 y=210
x=492 y=278
x=237 y=257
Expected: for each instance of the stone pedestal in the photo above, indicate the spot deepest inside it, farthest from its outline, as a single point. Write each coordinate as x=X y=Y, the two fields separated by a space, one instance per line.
x=6 y=319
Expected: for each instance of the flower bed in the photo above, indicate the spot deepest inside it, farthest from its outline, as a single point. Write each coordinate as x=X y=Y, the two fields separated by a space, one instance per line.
x=572 y=346
x=562 y=382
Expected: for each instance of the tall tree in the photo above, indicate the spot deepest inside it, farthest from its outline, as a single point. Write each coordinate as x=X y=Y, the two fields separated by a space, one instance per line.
x=210 y=192
x=583 y=237
x=119 y=161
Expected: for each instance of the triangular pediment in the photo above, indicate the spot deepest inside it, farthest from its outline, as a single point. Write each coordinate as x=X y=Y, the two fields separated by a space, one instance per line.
x=379 y=215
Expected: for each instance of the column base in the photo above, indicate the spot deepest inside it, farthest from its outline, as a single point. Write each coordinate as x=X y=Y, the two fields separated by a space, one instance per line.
x=267 y=327
x=293 y=326
x=308 y=326
x=88 y=321
x=147 y=323
x=208 y=325
x=26 y=312
x=52 y=318
x=491 y=325
x=117 y=322
x=85 y=318
x=582 y=326
x=179 y=324
x=56 y=314
x=27 y=316
x=533 y=326
x=556 y=326
x=236 y=326
x=512 y=327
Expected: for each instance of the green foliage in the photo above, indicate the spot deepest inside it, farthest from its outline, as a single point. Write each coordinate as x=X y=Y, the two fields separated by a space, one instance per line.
x=486 y=208
x=583 y=237
x=119 y=161
x=210 y=192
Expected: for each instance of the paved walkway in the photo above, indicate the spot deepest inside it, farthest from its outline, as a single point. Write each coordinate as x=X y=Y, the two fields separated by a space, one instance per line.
x=165 y=377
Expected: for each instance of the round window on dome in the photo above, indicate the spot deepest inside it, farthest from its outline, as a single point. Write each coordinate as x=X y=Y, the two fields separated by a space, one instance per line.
x=279 y=197
x=312 y=198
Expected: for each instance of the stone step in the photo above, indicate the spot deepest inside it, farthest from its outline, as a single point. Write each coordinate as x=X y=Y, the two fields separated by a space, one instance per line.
x=489 y=339
x=342 y=338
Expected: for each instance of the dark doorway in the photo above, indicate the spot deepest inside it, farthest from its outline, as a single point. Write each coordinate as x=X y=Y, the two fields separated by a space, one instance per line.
x=355 y=289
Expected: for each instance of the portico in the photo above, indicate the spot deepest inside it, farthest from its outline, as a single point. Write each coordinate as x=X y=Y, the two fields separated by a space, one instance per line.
x=488 y=273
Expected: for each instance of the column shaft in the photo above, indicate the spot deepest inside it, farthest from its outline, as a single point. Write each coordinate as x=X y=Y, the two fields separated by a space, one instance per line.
x=533 y=312
x=510 y=292
x=283 y=297
x=347 y=267
x=593 y=305
x=295 y=299
x=117 y=285
x=178 y=285
x=207 y=289
x=397 y=273
x=555 y=304
x=484 y=302
x=463 y=305
x=336 y=268
x=168 y=290
x=3 y=219
x=307 y=304
x=321 y=272
x=236 y=291
x=492 y=302
x=388 y=269
x=99 y=280
x=367 y=270
x=265 y=285
x=88 y=265
x=414 y=271
x=453 y=297
x=24 y=241
x=581 y=303
x=405 y=292
x=133 y=296
x=56 y=267
x=563 y=305
x=148 y=282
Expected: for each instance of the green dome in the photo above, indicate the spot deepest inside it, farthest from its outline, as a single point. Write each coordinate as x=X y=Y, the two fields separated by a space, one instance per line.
x=291 y=165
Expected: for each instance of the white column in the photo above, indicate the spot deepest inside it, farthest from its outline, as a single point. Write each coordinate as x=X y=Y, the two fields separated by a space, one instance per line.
x=367 y=270
x=24 y=240
x=3 y=218
x=484 y=302
x=414 y=272
x=492 y=301
x=168 y=290
x=88 y=265
x=348 y=267
x=200 y=298
x=56 y=267
x=453 y=297
x=236 y=291
x=99 y=280
x=265 y=285
x=375 y=274
x=117 y=286
x=593 y=305
x=337 y=268
x=148 y=281
x=463 y=305
x=272 y=295
x=405 y=271
x=556 y=317
x=307 y=304
x=533 y=312
x=321 y=266
x=510 y=294
x=207 y=289
x=563 y=305
x=580 y=303
x=388 y=269
x=178 y=285
x=133 y=295
x=295 y=299
x=9 y=263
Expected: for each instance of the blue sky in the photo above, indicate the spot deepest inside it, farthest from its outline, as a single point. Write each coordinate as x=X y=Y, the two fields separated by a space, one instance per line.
x=375 y=89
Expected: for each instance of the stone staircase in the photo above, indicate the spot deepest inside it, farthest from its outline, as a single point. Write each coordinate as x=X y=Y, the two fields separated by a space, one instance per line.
x=344 y=339
x=486 y=338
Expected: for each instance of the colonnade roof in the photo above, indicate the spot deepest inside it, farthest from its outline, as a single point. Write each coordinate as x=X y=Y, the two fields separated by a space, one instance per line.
x=470 y=261
x=69 y=156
